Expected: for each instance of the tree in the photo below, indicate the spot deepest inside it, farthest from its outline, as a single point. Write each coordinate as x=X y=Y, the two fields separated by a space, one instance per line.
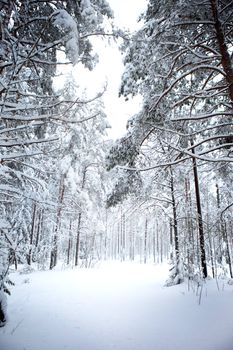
x=35 y=38
x=180 y=62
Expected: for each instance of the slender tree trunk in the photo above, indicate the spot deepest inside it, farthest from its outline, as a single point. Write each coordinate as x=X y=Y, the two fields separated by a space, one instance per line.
x=228 y=250
x=131 y=237
x=154 y=251
x=187 y=219
x=209 y=236
x=221 y=229
x=91 y=250
x=171 y=239
x=157 y=239
x=32 y=235
x=54 y=251
x=15 y=261
x=79 y=222
x=118 y=239
x=145 y=241
x=106 y=235
x=123 y=237
x=161 y=247
x=78 y=239
x=38 y=229
x=199 y=215
x=175 y=224
x=224 y=233
x=69 y=243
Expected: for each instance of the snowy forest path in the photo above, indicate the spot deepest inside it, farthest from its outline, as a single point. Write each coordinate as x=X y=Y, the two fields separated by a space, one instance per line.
x=116 y=307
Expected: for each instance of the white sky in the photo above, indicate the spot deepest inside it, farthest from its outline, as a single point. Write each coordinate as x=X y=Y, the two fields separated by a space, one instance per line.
x=126 y=12
x=110 y=69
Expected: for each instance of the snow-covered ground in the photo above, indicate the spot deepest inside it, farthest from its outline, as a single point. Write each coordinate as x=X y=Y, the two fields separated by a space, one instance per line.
x=116 y=307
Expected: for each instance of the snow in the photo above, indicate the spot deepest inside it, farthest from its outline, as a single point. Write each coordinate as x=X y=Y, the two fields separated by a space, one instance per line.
x=88 y=11
x=65 y=21
x=116 y=307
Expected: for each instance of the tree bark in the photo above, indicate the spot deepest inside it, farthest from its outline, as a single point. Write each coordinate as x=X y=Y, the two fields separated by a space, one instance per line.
x=175 y=224
x=69 y=243
x=225 y=56
x=78 y=239
x=54 y=251
x=79 y=222
x=32 y=235
x=199 y=215
x=224 y=234
x=145 y=241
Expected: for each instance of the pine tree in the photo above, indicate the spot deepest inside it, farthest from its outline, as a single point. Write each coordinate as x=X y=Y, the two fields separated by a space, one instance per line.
x=179 y=61
x=35 y=38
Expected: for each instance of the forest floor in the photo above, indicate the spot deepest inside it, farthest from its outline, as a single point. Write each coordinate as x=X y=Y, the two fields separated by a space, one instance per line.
x=116 y=307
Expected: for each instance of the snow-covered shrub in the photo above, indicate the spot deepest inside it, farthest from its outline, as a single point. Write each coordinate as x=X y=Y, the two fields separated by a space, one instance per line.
x=176 y=274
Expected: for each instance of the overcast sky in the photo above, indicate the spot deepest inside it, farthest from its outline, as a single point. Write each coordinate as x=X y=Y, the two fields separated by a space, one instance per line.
x=127 y=11
x=110 y=68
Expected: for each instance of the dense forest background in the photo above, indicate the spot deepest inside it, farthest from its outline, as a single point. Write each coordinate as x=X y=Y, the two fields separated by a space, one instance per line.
x=164 y=190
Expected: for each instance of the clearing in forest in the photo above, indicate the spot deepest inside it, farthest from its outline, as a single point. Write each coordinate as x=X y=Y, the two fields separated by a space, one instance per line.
x=116 y=307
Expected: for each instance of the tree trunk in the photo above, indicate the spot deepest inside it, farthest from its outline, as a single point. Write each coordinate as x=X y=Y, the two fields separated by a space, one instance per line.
x=171 y=239
x=32 y=235
x=145 y=241
x=38 y=231
x=153 y=232
x=54 y=251
x=118 y=239
x=228 y=250
x=161 y=247
x=175 y=225
x=224 y=234
x=122 y=235
x=79 y=222
x=157 y=239
x=69 y=243
x=199 y=215
x=131 y=237
x=225 y=56
x=78 y=239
